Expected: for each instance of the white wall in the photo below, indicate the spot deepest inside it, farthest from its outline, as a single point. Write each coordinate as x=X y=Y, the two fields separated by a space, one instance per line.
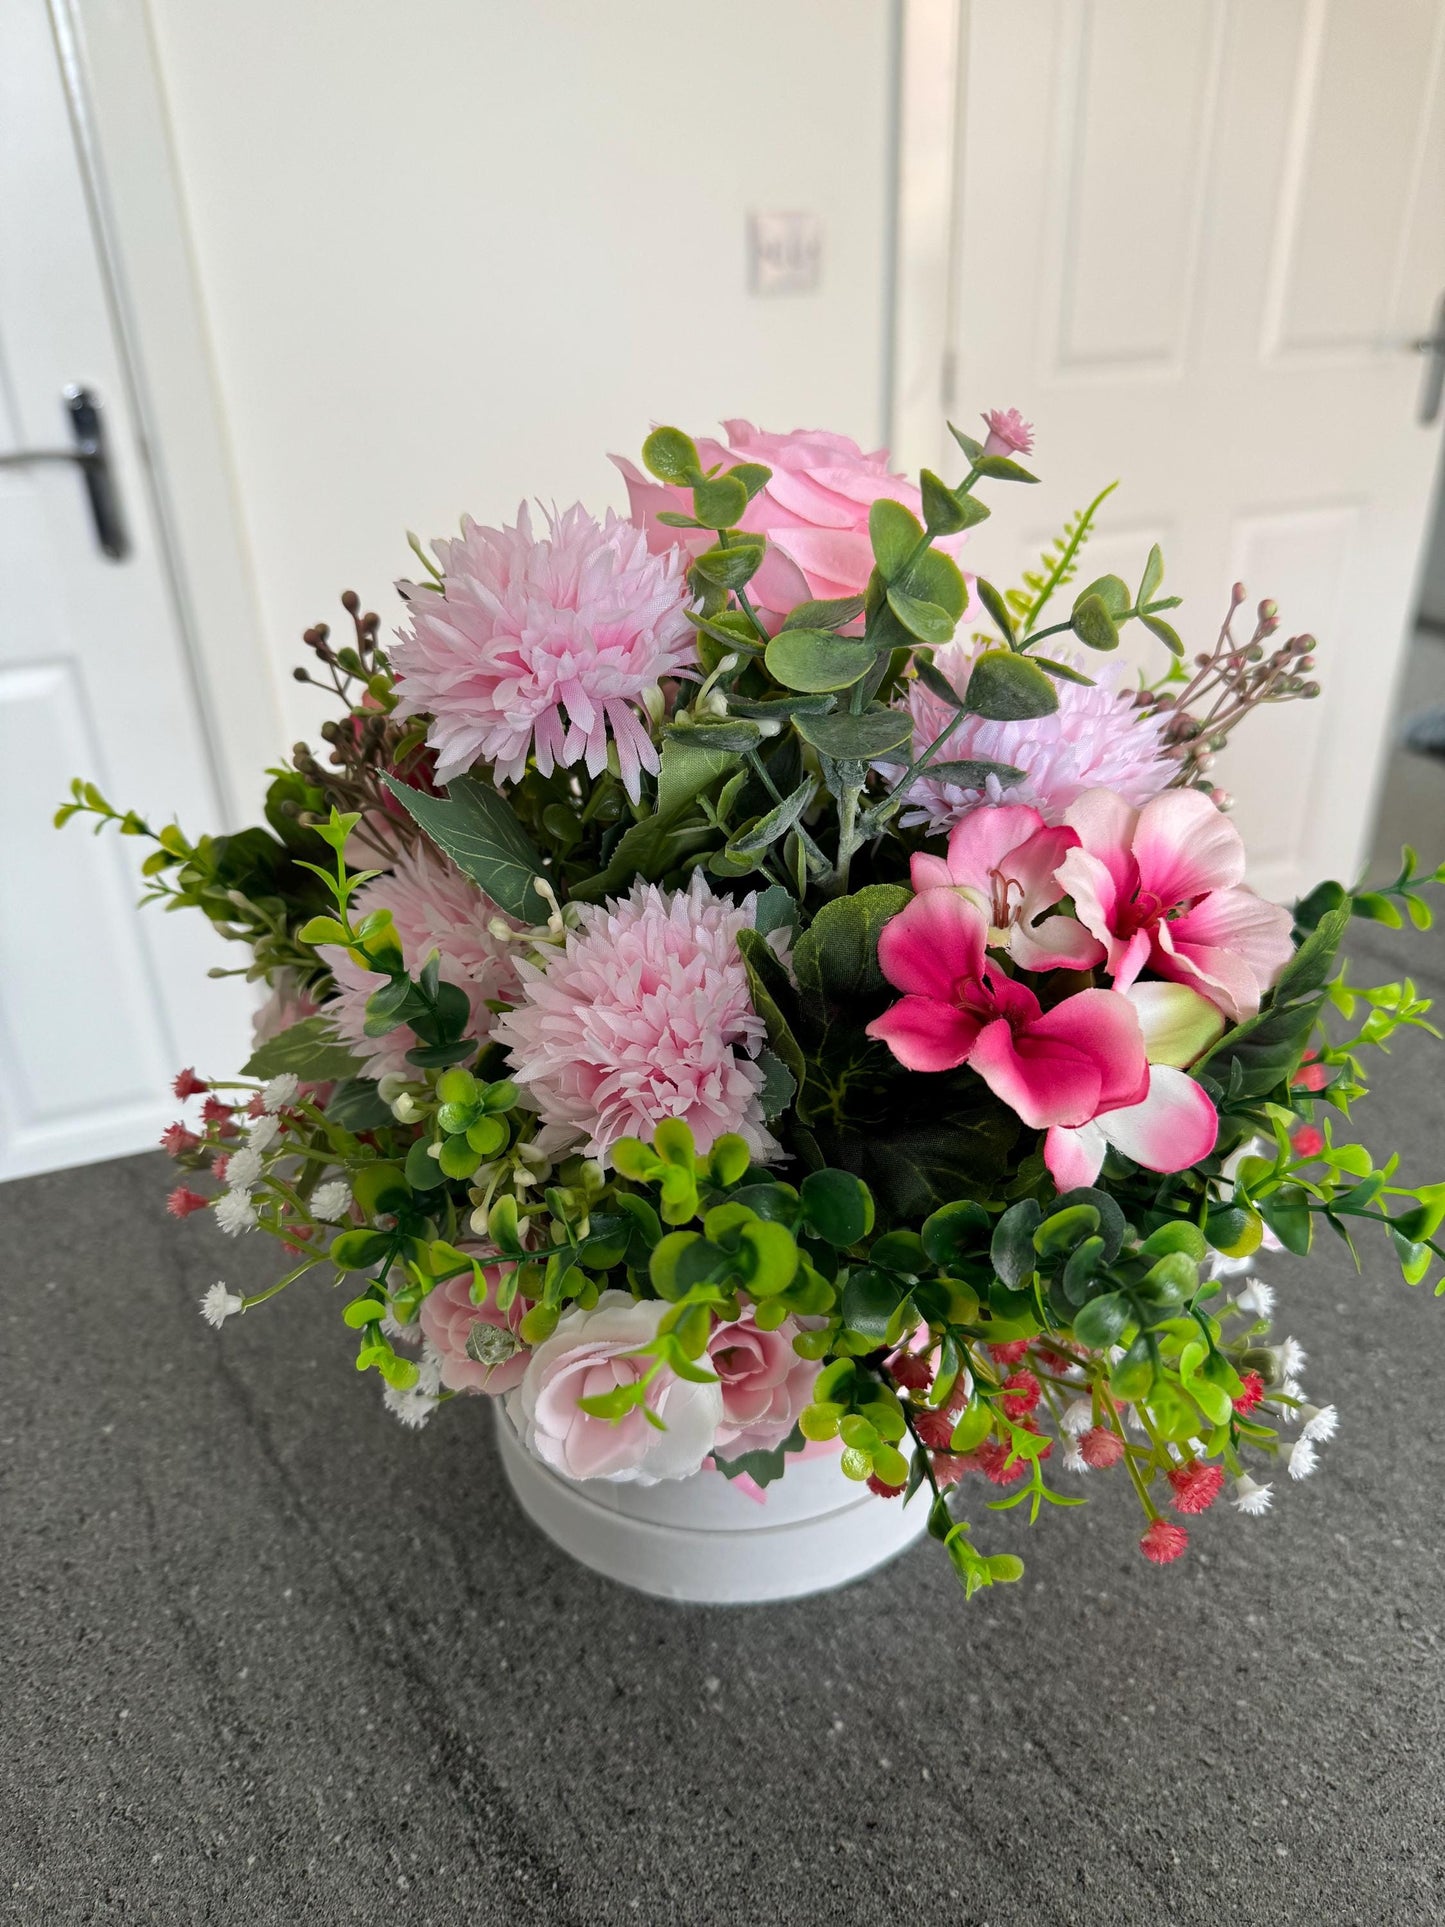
x=452 y=252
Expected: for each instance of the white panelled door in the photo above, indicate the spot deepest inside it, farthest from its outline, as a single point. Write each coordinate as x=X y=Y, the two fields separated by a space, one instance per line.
x=1194 y=243
x=98 y=1008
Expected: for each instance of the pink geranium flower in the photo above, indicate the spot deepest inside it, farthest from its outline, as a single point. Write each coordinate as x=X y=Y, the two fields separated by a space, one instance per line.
x=543 y=646
x=1176 y=1123
x=1003 y=858
x=813 y=510
x=1162 y=886
x=1061 y=1066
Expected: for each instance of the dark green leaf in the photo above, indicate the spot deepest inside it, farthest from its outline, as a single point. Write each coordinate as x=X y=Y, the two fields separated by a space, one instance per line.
x=870 y=1298
x=691 y=765
x=730 y=736
x=837 y=1206
x=356 y=1105
x=1061 y=671
x=957 y=1233
x=478 y=829
x=933 y=678
x=814 y=660
x=766 y=831
x=672 y=457
x=310 y=1050
x=859 y=739
x=1112 y=591
x=895 y=535
x=718 y=502
x=1157 y=626
x=1093 y=624
x=999 y=468
x=779 y=1088
x=1009 y=688
x=989 y=596
x=945 y=512
x=836 y=958
x=1289 y=1217
x=1099 y=1323
x=731 y=568
x=836 y=614
x=1011 y=1251
x=752 y=475
x=970 y=447
x=762 y=1467
x=937 y=578
x=973 y=772
x=922 y=619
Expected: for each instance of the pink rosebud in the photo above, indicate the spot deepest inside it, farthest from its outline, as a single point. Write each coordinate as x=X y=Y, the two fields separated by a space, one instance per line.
x=181 y=1203
x=479 y=1344
x=1195 y=1486
x=1008 y=433
x=1163 y=1541
x=765 y=1385
x=1307 y=1141
x=1100 y=1447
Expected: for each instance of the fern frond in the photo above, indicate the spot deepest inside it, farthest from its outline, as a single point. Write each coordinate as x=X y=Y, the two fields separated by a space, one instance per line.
x=1058 y=565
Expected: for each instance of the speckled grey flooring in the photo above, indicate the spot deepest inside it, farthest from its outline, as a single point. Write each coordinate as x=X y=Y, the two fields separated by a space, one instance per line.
x=269 y=1658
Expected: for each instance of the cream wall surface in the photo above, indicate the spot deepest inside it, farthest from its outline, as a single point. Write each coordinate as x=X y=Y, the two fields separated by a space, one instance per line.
x=452 y=252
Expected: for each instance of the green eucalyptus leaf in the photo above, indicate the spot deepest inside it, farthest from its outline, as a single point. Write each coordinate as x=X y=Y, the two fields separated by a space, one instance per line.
x=1152 y=577
x=925 y=620
x=310 y=1050
x=778 y=821
x=719 y=501
x=672 y=457
x=859 y=739
x=1093 y=625
x=1009 y=688
x=1112 y=591
x=730 y=568
x=1169 y=636
x=973 y=772
x=814 y=660
x=836 y=614
x=997 y=607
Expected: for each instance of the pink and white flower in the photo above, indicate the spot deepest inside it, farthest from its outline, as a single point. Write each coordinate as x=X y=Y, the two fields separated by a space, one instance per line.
x=1061 y=1066
x=813 y=510
x=592 y=1353
x=1176 y=1124
x=1162 y=886
x=1004 y=858
x=435 y=908
x=1095 y=737
x=644 y=1014
x=448 y=1318
x=765 y=1385
x=543 y=646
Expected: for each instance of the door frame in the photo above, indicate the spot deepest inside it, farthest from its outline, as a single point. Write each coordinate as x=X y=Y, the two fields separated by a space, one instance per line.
x=121 y=125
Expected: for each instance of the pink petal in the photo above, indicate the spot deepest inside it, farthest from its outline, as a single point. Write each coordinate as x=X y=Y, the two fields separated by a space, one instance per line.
x=1130 y=958
x=1047 y=1080
x=1053 y=944
x=925 y=1034
x=1106 y=825
x=979 y=842
x=932 y=943
x=927 y=872
x=779 y=584
x=1184 y=846
x=1034 y=866
x=1171 y=1130
x=1088 y=880
x=1253 y=929
x=1074 y=1156
x=1105 y=1026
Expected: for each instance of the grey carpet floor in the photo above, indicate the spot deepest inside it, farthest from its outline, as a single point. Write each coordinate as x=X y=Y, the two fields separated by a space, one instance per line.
x=269 y=1658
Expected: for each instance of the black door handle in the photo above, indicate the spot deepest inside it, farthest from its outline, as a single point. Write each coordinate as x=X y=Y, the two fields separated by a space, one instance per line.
x=91 y=454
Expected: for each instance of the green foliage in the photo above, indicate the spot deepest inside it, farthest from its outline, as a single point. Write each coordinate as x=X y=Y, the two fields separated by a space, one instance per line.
x=476 y=829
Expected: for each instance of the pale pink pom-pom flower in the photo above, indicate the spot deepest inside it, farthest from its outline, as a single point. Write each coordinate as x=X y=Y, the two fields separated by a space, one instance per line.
x=643 y=1015
x=1008 y=433
x=435 y=908
x=543 y=646
x=1094 y=739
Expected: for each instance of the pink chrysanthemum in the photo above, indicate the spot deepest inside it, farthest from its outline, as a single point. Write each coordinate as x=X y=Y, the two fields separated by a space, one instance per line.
x=542 y=645
x=435 y=908
x=1163 y=1541
x=644 y=1015
x=1095 y=739
x=1008 y=433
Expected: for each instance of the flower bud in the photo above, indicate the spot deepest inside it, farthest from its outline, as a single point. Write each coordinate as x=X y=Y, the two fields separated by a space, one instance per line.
x=1222 y=800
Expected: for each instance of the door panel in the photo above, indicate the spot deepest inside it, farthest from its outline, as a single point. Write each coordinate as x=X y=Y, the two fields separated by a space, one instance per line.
x=98 y=1007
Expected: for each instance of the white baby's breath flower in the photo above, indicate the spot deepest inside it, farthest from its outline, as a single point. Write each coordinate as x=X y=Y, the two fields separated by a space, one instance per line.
x=1291 y=1388
x=412 y=1408
x=281 y=1091
x=1218 y=1266
x=1074 y=1460
x=429 y=1370
x=1077 y=1416
x=1292 y=1358
x=262 y=1132
x=220 y=1303
x=1302 y=1458
x=1250 y=1498
x=235 y=1213
x=1318 y=1423
x=332 y=1199
x=243 y=1169
x=1257 y=1297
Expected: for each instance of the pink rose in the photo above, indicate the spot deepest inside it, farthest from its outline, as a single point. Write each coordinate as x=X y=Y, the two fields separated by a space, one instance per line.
x=448 y=1318
x=592 y=1352
x=765 y=1384
x=814 y=511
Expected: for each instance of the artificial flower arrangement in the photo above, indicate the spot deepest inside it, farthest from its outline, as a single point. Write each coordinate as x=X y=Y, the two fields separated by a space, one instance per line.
x=741 y=985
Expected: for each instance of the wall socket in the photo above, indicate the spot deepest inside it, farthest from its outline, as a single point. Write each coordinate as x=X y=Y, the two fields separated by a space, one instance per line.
x=785 y=253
